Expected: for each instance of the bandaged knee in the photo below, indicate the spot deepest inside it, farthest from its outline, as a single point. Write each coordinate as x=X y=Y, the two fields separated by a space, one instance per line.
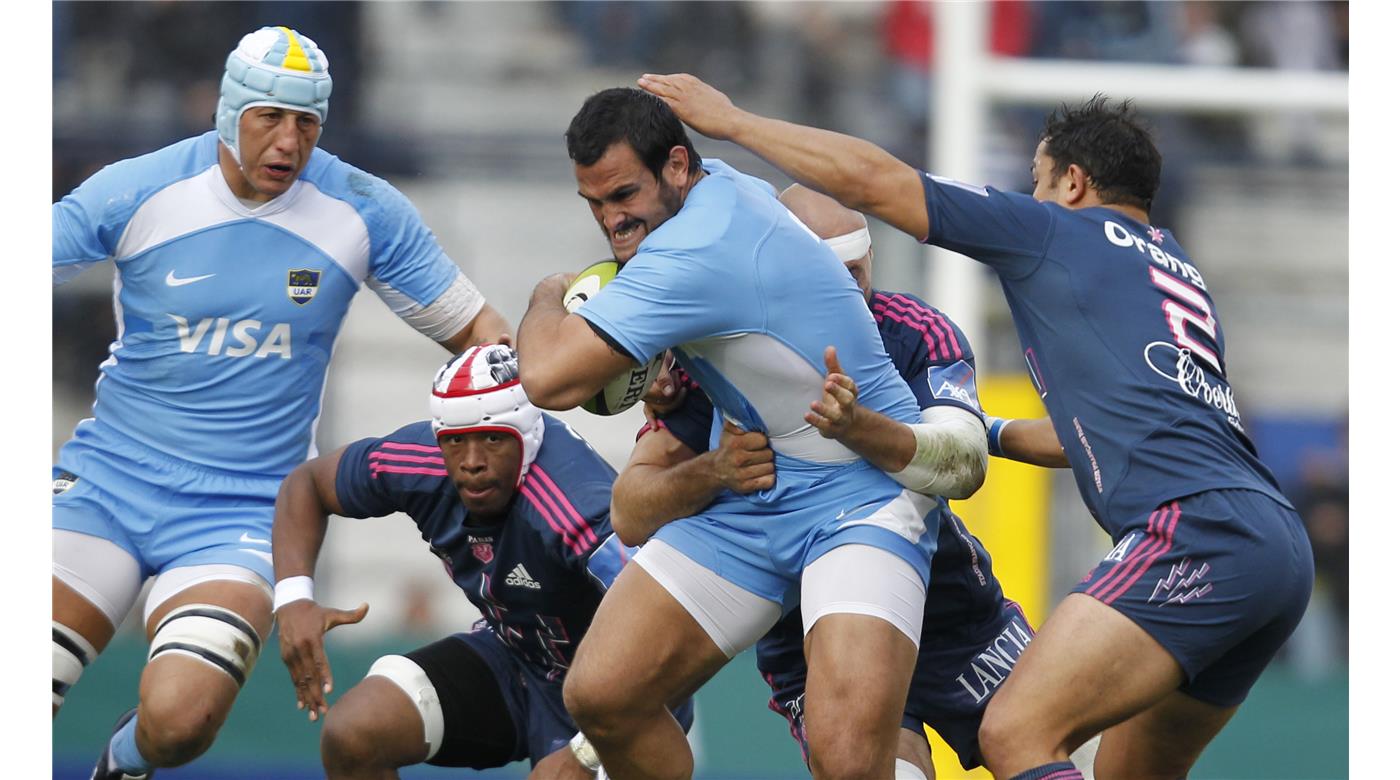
x=215 y=635
x=71 y=655
x=413 y=681
x=950 y=454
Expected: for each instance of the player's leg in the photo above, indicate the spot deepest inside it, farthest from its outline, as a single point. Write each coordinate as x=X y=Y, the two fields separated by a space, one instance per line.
x=1161 y=743
x=863 y=607
x=456 y=702
x=644 y=651
x=95 y=583
x=206 y=625
x=1089 y=668
x=373 y=730
x=913 y=756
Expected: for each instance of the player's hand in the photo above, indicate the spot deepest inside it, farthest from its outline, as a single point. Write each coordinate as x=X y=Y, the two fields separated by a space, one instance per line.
x=551 y=289
x=665 y=394
x=302 y=627
x=833 y=413
x=743 y=460
x=698 y=104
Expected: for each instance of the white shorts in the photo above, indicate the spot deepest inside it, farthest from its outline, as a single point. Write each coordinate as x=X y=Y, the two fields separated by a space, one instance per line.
x=850 y=579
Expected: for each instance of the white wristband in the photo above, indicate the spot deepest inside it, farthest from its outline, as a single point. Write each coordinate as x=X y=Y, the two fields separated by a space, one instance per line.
x=289 y=590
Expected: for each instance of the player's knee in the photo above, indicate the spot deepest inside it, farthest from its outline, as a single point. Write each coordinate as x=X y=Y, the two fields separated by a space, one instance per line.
x=174 y=730
x=840 y=758
x=595 y=705
x=348 y=739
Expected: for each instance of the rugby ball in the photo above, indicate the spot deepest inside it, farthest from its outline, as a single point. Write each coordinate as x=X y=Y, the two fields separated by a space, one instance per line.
x=625 y=390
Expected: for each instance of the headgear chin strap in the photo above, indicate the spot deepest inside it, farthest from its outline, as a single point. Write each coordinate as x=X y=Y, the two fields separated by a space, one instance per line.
x=850 y=246
x=274 y=66
x=480 y=390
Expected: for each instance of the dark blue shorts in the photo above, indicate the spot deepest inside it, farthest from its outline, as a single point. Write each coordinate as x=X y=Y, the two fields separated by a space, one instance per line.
x=1220 y=579
x=960 y=665
x=534 y=703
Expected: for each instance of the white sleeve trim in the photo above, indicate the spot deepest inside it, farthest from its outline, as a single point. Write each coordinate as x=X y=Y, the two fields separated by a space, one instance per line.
x=443 y=318
x=950 y=454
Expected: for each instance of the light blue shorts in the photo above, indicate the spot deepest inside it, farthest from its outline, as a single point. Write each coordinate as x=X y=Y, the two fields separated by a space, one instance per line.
x=165 y=512
x=763 y=545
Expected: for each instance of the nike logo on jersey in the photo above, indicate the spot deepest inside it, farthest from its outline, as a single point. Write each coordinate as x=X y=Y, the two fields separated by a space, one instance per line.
x=246 y=539
x=174 y=281
x=521 y=578
x=243 y=338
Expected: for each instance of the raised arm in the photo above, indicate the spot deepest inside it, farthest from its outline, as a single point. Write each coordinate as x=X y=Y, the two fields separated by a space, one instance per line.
x=665 y=480
x=563 y=362
x=859 y=174
x=304 y=502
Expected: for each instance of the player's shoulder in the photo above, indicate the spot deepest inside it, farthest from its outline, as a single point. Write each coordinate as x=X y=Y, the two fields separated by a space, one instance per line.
x=380 y=204
x=909 y=324
x=409 y=454
x=132 y=180
x=566 y=457
x=716 y=212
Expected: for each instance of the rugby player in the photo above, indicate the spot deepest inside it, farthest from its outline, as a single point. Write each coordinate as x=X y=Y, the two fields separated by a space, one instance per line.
x=972 y=634
x=717 y=268
x=237 y=253
x=1211 y=569
x=516 y=506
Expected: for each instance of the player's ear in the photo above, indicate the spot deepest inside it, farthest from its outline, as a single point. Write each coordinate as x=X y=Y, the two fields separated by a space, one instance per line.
x=1076 y=184
x=677 y=166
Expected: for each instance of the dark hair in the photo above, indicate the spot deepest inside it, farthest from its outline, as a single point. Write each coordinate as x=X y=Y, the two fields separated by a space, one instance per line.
x=1110 y=144
x=640 y=118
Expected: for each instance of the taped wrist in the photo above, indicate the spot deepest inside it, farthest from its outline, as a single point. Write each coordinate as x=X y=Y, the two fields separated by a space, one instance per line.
x=950 y=453
x=289 y=589
x=995 y=425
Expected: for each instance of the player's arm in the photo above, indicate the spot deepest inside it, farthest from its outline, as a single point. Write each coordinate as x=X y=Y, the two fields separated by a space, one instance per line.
x=1030 y=441
x=563 y=361
x=666 y=480
x=304 y=502
x=487 y=327
x=944 y=454
x=859 y=174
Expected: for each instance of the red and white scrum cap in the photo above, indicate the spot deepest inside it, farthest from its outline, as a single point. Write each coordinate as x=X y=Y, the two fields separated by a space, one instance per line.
x=479 y=390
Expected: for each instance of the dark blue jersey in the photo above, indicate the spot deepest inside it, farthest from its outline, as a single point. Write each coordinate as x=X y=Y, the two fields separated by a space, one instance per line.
x=934 y=358
x=538 y=574
x=1121 y=339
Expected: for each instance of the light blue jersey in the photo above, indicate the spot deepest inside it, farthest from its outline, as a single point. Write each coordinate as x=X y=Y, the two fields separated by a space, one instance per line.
x=227 y=314
x=749 y=298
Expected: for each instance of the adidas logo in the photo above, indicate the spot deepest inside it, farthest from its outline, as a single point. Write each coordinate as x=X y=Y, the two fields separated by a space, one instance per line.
x=521 y=578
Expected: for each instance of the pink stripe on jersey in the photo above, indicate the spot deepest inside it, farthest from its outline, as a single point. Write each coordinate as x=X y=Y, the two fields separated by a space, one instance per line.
x=563 y=501
x=551 y=516
x=377 y=455
x=938 y=321
x=1120 y=567
x=376 y=468
x=919 y=319
x=1147 y=564
x=1064 y=774
x=399 y=445
x=928 y=340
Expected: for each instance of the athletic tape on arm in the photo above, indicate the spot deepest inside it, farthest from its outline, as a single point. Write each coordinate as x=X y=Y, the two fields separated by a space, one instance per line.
x=950 y=453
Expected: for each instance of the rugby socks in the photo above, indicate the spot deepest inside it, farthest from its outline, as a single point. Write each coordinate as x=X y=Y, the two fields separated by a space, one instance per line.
x=1060 y=770
x=124 y=754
